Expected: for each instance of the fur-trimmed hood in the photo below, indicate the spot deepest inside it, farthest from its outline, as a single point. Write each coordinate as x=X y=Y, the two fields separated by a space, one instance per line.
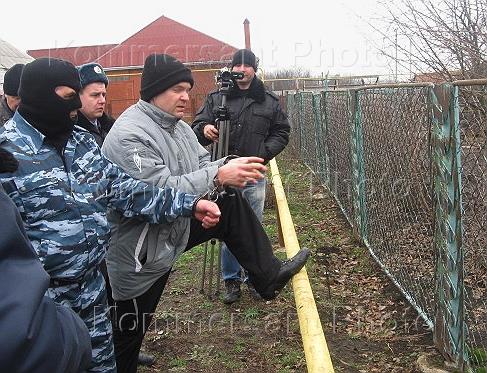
x=256 y=90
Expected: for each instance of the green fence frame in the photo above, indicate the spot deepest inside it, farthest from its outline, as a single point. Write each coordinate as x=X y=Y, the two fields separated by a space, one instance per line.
x=448 y=322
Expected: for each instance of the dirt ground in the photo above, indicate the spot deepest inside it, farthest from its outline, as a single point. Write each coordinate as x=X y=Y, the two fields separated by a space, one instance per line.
x=368 y=324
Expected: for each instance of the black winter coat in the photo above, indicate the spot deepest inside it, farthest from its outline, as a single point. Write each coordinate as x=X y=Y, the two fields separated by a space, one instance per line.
x=5 y=112
x=258 y=125
x=105 y=121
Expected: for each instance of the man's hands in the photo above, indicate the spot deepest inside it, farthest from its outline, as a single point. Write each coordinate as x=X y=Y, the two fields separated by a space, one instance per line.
x=237 y=172
x=240 y=171
x=207 y=212
x=210 y=132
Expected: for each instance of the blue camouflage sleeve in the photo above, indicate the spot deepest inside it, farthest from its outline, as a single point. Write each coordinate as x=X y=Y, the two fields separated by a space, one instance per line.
x=134 y=198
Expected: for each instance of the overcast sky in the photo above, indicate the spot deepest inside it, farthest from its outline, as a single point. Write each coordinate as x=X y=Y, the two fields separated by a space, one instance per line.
x=323 y=36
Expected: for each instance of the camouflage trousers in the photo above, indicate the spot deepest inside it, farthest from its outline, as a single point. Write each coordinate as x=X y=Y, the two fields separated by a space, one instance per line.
x=88 y=299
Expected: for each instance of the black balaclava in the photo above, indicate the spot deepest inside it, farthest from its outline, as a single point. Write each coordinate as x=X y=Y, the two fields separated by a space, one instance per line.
x=41 y=106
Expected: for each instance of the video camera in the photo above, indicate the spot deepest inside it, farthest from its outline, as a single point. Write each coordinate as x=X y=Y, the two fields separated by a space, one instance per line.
x=227 y=78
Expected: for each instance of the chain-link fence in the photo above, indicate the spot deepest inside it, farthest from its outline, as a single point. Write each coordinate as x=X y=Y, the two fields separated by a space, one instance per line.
x=407 y=164
x=472 y=106
x=337 y=157
x=397 y=186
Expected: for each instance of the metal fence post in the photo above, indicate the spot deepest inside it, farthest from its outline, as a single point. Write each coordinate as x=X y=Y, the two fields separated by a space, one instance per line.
x=326 y=153
x=320 y=139
x=449 y=323
x=358 y=168
x=301 y=120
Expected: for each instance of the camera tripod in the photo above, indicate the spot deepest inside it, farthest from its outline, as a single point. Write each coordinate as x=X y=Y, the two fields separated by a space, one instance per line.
x=218 y=150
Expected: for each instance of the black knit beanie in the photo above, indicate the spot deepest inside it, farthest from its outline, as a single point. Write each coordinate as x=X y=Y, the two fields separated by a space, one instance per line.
x=11 y=80
x=162 y=71
x=244 y=57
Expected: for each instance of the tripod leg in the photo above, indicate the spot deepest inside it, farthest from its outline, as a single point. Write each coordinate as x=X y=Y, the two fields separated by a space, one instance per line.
x=214 y=151
x=212 y=264
x=203 y=273
x=219 y=269
x=227 y=137
x=221 y=136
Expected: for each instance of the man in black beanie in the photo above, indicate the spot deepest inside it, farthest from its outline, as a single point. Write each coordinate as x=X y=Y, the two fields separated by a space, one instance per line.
x=11 y=99
x=63 y=187
x=258 y=127
x=150 y=142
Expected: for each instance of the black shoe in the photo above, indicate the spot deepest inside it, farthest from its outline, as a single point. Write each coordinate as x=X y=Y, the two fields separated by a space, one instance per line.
x=288 y=269
x=253 y=293
x=146 y=359
x=232 y=291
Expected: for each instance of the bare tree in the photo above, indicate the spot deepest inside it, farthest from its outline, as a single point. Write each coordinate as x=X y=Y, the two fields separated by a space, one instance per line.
x=444 y=37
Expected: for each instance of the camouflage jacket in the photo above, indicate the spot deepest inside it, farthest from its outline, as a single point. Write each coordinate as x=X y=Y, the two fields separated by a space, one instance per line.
x=63 y=199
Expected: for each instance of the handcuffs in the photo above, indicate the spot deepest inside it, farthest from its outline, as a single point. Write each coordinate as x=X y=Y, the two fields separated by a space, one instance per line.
x=219 y=190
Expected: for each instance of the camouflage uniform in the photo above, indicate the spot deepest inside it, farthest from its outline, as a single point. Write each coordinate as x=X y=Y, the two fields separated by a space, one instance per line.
x=63 y=202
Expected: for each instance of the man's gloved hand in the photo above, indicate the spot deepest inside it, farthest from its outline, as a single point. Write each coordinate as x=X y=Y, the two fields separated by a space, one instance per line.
x=8 y=163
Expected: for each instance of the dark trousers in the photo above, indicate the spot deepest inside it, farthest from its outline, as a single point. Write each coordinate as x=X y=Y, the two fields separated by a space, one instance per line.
x=104 y=272
x=131 y=319
x=240 y=229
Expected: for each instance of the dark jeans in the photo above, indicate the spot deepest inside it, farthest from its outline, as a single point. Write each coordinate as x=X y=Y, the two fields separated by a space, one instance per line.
x=240 y=229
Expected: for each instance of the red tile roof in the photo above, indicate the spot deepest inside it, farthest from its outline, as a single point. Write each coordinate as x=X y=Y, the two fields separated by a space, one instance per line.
x=76 y=55
x=164 y=35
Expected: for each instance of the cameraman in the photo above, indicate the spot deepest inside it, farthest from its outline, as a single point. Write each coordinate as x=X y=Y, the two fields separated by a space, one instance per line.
x=258 y=127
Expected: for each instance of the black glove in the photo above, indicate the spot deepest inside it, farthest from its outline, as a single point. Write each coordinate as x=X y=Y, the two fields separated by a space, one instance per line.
x=8 y=163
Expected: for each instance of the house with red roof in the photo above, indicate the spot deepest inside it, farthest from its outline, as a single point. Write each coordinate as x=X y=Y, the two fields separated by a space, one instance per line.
x=123 y=62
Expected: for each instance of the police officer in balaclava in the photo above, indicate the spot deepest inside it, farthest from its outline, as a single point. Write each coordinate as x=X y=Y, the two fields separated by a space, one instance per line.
x=49 y=98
